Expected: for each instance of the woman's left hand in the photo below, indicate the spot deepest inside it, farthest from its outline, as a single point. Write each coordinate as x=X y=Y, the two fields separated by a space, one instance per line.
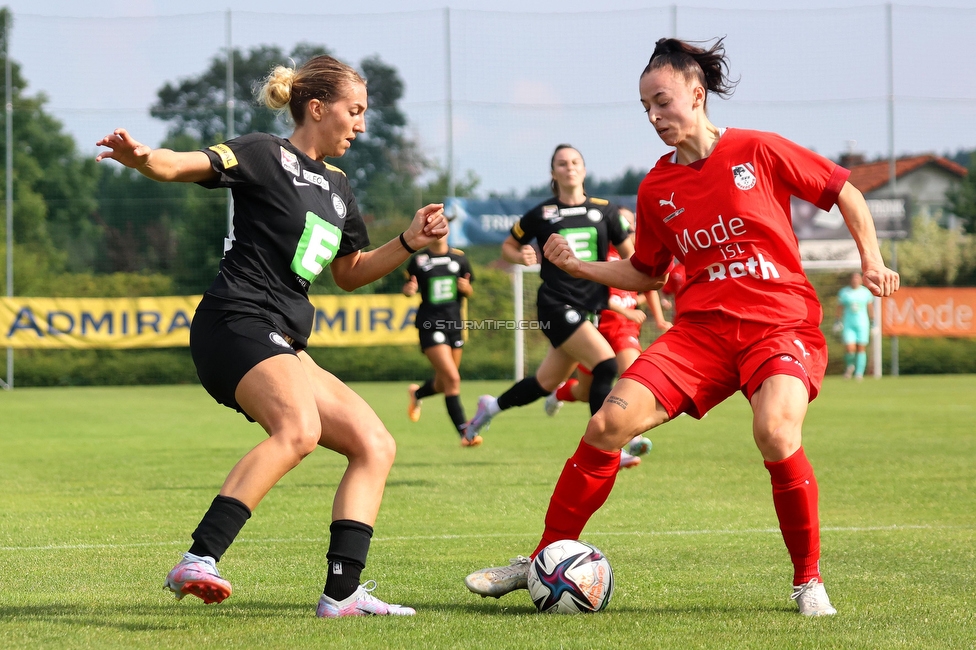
x=881 y=280
x=428 y=225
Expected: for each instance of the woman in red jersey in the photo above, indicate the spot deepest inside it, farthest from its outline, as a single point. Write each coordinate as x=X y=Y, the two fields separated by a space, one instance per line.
x=749 y=319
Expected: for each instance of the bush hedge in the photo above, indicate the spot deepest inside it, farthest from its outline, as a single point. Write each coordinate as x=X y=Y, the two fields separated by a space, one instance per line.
x=487 y=355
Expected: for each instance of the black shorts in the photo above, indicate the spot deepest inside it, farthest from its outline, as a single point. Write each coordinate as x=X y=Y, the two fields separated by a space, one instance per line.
x=225 y=345
x=431 y=337
x=559 y=321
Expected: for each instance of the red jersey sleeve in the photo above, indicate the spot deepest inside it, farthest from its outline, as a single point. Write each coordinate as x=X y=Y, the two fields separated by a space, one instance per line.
x=650 y=255
x=807 y=175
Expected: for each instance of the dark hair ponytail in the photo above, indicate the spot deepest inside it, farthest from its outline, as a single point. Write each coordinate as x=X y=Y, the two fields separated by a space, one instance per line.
x=552 y=166
x=710 y=67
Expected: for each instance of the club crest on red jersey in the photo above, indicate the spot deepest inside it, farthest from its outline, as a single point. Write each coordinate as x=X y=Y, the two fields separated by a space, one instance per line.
x=744 y=176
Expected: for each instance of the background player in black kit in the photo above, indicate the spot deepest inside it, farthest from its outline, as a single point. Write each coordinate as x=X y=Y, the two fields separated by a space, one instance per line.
x=566 y=305
x=294 y=216
x=443 y=277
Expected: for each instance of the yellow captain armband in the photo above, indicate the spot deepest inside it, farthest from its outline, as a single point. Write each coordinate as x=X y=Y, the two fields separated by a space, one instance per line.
x=227 y=157
x=517 y=230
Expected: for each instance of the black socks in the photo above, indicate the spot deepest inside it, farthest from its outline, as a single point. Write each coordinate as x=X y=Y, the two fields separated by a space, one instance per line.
x=456 y=411
x=219 y=527
x=348 y=547
x=426 y=390
x=524 y=392
x=603 y=376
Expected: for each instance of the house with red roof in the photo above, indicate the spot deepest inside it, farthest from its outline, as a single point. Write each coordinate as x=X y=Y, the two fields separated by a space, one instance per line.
x=924 y=178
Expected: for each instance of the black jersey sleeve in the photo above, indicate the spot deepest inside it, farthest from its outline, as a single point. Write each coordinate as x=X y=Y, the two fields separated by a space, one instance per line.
x=466 y=268
x=238 y=161
x=527 y=228
x=615 y=225
x=412 y=267
x=354 y=235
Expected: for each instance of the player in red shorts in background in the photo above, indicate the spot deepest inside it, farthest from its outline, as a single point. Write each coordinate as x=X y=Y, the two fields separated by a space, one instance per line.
x=749 y=318
x=620 y=325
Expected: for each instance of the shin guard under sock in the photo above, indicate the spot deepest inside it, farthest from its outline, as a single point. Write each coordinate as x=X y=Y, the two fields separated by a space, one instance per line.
x=426 y=390
x=795 y=497
x=603 y=375
x=348 y=547
x=584 y=485
x=456 y=410
x=524 y=392
x=219 y=526
x=860 y=363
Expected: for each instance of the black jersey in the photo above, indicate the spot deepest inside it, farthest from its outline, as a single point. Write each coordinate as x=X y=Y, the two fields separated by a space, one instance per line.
x=292 y=216
x=589 y=228
x=437 y=277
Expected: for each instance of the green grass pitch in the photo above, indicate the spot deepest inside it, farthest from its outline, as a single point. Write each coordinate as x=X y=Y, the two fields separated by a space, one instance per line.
x=101 y=487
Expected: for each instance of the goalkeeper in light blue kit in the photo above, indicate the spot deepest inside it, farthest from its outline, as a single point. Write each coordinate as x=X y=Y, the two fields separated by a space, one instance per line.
x=854 y=325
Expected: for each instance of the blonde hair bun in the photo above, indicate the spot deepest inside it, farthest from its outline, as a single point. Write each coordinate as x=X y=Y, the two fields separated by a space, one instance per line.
x=276 y=91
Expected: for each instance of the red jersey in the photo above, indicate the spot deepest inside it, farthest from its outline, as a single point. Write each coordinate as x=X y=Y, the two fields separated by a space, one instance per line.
x=619 y=297
x=676 y=280
x=729 y=224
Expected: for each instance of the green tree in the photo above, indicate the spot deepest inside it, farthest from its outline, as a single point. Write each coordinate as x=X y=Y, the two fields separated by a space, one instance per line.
x=53 y=187
x=197 y=106
x=383 y=164
x=961 y=200
x=625 y=184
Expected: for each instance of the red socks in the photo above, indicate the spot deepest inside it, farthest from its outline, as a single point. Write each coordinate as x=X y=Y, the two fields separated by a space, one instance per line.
x=565 y=392
x=795 y=498
x=582 y=488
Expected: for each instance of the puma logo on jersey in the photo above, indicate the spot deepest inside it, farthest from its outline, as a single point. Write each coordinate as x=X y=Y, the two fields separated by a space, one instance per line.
x=670 y=201
x=799 y=344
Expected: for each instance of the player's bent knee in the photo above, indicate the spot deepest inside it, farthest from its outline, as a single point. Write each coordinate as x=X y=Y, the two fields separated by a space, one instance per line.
x=451 y=383
x=606 y=430
x=376 y=445
x=303 y=440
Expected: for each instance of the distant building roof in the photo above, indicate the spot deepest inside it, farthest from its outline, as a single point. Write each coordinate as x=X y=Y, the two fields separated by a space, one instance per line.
x=868 y=177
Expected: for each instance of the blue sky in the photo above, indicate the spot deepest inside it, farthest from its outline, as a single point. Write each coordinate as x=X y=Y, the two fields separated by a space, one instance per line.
x=529 y=74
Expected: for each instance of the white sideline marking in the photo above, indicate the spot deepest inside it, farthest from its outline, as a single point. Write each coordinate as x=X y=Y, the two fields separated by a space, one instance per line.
x=415 y=538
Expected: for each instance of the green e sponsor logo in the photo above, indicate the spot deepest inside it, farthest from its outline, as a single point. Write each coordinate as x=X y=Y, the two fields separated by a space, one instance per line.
x=443 y=289
x=316 y=248
x=582 y=241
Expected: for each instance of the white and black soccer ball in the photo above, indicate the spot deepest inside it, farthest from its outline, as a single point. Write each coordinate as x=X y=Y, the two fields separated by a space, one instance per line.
x=570 y=577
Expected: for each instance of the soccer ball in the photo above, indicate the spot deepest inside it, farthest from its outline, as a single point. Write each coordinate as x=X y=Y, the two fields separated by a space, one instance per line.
x=570 y=577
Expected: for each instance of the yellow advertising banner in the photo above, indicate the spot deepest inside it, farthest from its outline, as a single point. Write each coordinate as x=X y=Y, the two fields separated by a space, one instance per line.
x=915 y=311
x=120 y=323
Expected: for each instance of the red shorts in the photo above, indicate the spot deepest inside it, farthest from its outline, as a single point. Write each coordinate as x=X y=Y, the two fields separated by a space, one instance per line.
x=620 y=334
x=696 y=365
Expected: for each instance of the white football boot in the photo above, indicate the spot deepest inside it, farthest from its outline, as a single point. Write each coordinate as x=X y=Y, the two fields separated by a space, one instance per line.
x=498 y=581
x=812 y=599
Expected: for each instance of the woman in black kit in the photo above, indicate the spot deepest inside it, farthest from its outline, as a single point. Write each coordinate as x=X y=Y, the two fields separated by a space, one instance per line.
x=294 y=215
x=567 y=306
x=442 y=276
